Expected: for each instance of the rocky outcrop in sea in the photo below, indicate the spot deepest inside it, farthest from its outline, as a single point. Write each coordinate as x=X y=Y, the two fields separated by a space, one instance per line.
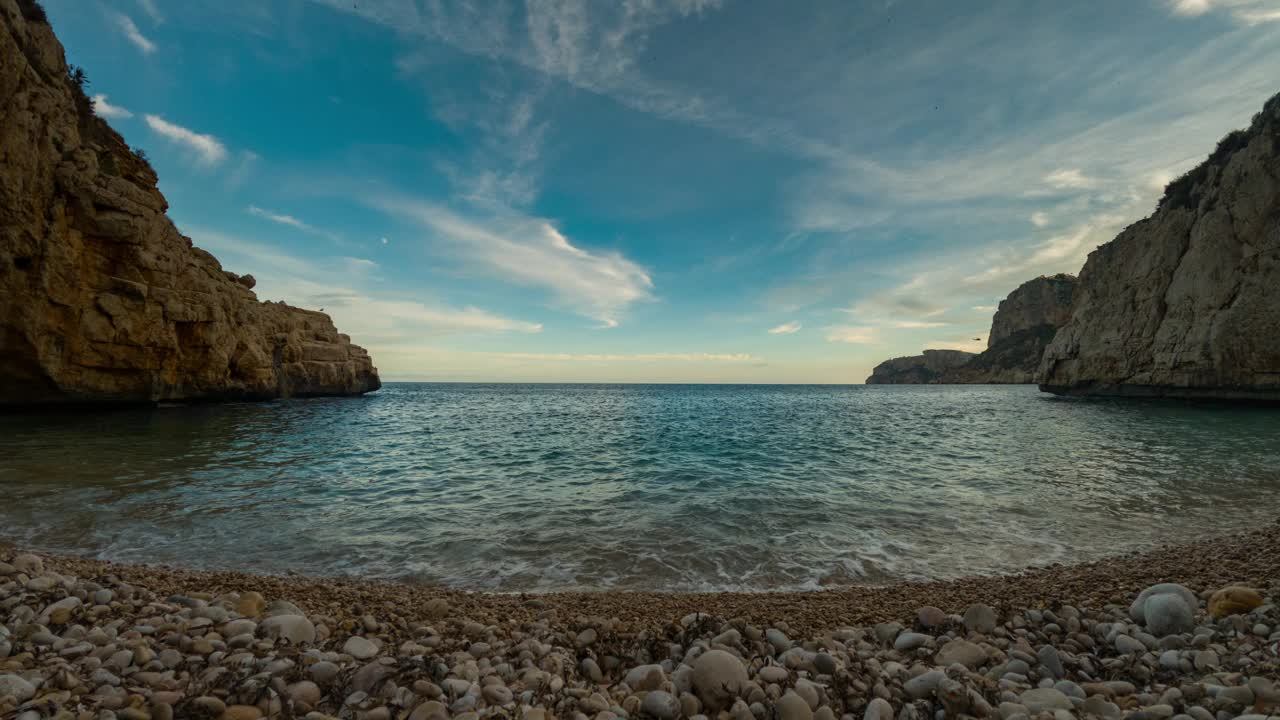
x=102 y=299
x=1023 y=326
x=1186 y=303
x=926 y=369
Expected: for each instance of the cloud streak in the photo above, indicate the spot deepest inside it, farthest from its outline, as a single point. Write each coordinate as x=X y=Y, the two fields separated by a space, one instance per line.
x=786 y=328
x=131 y=33
x=532 y=252
x=293 y=222
x=208 y=149
x=107 y=110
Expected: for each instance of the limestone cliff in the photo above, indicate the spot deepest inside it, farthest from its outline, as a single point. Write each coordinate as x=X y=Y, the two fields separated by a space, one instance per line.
x=101 y=298
x=926 y=369
x=1023 y=326
x=1187 y=302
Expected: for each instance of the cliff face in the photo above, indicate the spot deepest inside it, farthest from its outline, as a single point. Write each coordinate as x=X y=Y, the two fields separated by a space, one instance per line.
x=1023 y=326
x=1187 y=302
x=1046 y=300
x=101 y=298
x=925 y=369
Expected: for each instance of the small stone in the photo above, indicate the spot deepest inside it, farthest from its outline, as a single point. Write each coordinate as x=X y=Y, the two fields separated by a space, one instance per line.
x=1168 y=614
x=294 y=628
x=909 y=641
x=14 y=685
x=586 y=638
x=324 y=672
x=497 y=694
x=305 y=692
x=359 y=647
x=251 y=604
x=646 y=677
x=922 y=686
x=211 y=706
x=28 y=563
x=718 y=678
x=242 y=712
x=778 y=639
x=1234 y=600
x=661 y=705
x=980 y=618
x=1045 y=699
x=931 y=617
x=1051 y=661
x=970 y=655
x=437 y=608
x=793 y=707
x=825 y=664
x=878 y=709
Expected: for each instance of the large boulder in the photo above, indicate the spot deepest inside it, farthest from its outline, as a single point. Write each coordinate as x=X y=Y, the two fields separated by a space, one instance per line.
x=1187 y=302
x=102 y=299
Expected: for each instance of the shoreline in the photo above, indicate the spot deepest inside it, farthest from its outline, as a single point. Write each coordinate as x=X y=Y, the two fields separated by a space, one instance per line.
x=96 y=640
x=1234 y=557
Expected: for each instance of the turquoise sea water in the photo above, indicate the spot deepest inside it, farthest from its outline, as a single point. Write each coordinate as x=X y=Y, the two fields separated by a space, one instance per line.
x=650 y=487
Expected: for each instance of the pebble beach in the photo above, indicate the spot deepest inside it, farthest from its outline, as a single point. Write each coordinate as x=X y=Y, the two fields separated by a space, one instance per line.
x=1188 y=631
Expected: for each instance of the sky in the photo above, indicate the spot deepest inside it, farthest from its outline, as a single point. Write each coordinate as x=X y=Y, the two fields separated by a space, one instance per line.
x=664 y=190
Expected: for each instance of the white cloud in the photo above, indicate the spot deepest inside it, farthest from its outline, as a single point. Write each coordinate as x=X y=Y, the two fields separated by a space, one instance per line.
x=786 y=328
x=107 y=110
x=532 y=252
x=1248 y=12
x=1070 y=179
x=916 y=324
x=853 y=334
x=985 y=308
x=293 y=222
x=1039 y=219
x=208 y=148
x=640 y=357
x=149 y=7
x=369 y=316
x=135 y=36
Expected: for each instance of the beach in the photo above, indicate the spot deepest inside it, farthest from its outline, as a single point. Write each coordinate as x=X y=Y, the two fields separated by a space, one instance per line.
x=92 y=639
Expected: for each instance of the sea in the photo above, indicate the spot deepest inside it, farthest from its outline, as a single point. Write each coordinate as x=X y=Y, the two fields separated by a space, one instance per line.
x=544 y=487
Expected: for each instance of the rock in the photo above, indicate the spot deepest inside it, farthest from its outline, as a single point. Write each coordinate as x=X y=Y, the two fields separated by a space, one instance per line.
x=242 y=712
x=359 y=647
x=1023 y=326
x=250 y=604
x=1183 y=304
x=1126 y=645
x=646 y=677
x=718 y=678
x=437 y=608
x=1045 y=699
x=661 y=705
x=980 y=618
x=90 y=258
x=28 y=563
x=1168 y=615
x=294 y=628
x=305 y=692
x=14 y=686
x=931 y=617
x=431 y=710
x=970 y=655
x=918 y=369
x=909 y=641
x=778 y=639
x=1234 y=600
x=825 y=664
x=1099 y=706
x=1051 y=660
x=793 y=707
x=324 y=672
x=878 y=709
x=922 y=686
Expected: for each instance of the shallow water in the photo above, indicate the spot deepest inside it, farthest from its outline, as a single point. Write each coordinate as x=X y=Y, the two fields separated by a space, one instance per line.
x=649 y=487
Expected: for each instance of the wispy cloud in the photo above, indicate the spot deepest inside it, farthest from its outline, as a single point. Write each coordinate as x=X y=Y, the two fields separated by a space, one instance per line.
x=133 y=34
x=853 y=334
x=1039 y=219
x=786 y=328
x=107 y=110
x=292 y=222
x=530 y=251
x=1249 y=12
x=149 y=7
x=336 y=284
x=207 y=148
x=699 y=357
x=1070 y=179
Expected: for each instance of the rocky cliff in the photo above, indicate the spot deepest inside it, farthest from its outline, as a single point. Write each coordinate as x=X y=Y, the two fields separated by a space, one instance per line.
x=101 y=298
x=926 y=369
x=1023 y=326
x=1187 y=302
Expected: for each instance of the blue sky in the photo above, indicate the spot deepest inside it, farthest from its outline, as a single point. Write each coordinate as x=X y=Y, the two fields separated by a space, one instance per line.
x=664 y=190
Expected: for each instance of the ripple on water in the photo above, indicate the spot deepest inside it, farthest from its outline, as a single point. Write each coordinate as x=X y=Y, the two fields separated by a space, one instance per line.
x=555 y=487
